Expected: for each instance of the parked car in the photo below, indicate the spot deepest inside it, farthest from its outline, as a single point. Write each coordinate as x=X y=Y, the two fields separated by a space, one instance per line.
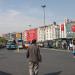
x=11 y=45
x=20 y=43
x=2 y=45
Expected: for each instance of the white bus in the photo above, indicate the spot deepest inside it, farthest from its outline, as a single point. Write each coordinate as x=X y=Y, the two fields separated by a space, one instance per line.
x=20 y=43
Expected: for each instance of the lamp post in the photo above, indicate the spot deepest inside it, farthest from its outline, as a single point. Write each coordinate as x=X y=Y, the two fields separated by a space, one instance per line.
x=43 y=6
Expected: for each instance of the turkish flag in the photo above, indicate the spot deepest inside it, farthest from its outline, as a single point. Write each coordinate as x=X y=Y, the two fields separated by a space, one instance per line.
x=62 y=27
x=73 y=28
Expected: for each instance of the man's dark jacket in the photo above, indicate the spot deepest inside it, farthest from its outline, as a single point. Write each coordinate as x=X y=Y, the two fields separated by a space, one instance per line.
x=33 y=53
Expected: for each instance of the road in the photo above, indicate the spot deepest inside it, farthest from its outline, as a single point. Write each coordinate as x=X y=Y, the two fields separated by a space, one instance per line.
x=53 y=62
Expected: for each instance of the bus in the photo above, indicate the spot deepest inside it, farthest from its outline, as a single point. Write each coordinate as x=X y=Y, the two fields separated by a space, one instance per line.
x=20 y=43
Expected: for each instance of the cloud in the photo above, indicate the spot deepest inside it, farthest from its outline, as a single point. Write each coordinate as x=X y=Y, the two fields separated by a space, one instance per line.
x=13 y=13
x=12 y=20
x=8 y=16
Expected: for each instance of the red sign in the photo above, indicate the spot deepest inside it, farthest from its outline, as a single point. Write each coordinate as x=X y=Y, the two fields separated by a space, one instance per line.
x=62 y=27
x=73 y=28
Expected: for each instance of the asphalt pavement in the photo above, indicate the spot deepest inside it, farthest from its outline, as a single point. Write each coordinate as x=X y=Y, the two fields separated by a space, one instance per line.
x=54 y=62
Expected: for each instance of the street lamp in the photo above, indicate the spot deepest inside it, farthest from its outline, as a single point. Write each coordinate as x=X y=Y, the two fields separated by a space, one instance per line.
x=43 y=6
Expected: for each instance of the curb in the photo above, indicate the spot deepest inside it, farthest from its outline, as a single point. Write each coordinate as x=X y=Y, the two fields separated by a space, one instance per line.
x=62 y=50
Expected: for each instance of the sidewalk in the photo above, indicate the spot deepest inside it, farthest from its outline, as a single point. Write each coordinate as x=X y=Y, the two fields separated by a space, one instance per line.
x=63 y=50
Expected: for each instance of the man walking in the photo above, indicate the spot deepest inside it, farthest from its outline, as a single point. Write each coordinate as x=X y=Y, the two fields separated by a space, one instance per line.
x=34 y=57
x=74 y=48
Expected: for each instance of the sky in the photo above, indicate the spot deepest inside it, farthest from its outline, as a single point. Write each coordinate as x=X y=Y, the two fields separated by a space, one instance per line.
x=17 y=15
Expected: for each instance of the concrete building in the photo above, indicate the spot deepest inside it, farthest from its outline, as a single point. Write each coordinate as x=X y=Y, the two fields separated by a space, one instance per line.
x=49 y=32
x=41 y=34
x=30 y=34
x=63 y=30
x=66 y=29
x=67 y=32
x=24 y=34
x=10 y=36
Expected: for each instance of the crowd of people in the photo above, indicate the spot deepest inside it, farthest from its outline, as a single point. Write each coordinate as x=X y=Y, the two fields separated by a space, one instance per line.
x=70 y=46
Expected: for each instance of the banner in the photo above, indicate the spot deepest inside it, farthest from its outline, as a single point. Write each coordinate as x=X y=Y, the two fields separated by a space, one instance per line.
x=62 y=27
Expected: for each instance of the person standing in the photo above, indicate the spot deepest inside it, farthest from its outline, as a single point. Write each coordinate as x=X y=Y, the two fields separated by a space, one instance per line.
x=71 y=46
x=74 y=48
x=34 y=57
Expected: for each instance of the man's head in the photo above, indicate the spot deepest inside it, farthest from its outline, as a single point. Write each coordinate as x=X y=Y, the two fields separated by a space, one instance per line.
x=34 y=41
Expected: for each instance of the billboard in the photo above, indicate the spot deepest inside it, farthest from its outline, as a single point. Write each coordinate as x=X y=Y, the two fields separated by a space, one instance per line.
x=31 y=34
x=18 y=35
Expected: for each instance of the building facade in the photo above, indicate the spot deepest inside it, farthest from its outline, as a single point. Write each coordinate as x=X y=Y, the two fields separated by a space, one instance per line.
x=10 y=36
x=29 y=35
x=63 y=30
x=24 y=34
x=69 y=29
x=66 y=29
x=41 y=34
x=49 y=32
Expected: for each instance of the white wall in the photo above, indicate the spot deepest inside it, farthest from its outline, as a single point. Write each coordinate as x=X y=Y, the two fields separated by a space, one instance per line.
x=40 y=34
x=49 y=31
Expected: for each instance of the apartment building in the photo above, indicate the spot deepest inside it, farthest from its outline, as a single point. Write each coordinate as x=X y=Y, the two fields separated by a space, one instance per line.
x=49 y=32
x=29 y=35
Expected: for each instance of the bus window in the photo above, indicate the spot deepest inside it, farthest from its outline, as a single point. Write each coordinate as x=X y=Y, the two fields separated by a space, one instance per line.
x=20 y=43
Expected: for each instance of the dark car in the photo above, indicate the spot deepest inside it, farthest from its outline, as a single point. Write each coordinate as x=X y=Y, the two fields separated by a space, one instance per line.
x=11 y=45
x=2 y=45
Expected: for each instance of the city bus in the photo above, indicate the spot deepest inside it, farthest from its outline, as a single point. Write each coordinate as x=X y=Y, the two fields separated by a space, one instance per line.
x=20 y=43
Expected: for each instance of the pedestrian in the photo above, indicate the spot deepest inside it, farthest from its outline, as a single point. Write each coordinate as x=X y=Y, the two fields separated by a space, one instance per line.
x=74 y=48
x=71 y=46
x=34 y=57
x=64 y=45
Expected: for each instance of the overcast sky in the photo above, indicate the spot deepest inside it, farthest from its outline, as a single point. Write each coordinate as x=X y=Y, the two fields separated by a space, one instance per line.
x=16 y=15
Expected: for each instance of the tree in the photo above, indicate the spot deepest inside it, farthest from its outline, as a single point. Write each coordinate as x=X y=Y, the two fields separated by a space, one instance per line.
x=2 y=40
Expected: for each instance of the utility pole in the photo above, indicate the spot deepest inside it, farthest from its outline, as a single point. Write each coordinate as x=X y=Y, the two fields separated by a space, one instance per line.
x=43 y=6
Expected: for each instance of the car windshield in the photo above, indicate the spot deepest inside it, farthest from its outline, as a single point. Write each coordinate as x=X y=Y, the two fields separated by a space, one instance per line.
x=10 y=42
